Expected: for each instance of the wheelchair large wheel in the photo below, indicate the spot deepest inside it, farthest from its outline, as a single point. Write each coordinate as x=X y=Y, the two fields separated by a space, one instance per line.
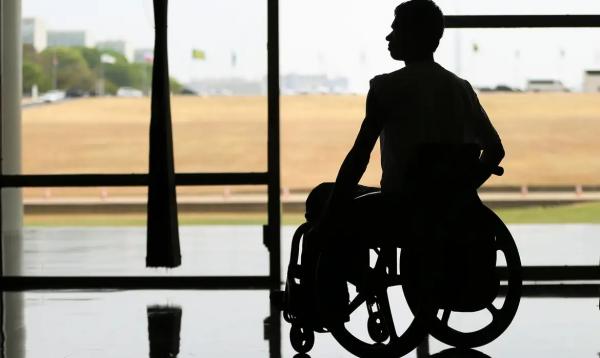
x=439 y=325
x=375 y=334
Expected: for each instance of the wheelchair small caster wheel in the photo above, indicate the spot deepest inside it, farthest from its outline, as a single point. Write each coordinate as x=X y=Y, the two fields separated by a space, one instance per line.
x=377 y=329
x=302 y=339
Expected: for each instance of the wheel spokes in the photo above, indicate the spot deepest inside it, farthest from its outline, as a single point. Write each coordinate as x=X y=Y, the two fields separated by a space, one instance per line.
x=492 y=309
x=384 y=305
x=446 y=316
x=356 y=302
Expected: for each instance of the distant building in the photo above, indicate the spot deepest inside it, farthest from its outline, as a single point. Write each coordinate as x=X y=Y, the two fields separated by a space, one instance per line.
x=545 y=86
x=290 y=84
x=69 y=39
x=304 y=84
x=143 y=55
x=120 y=46
x=34 y=33
x=591 y=81
x=232 y=86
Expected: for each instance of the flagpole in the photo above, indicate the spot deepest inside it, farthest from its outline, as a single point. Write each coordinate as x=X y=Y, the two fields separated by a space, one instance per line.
x=54 y=71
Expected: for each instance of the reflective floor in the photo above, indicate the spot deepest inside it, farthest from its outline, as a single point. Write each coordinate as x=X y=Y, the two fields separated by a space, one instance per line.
x=230 y=323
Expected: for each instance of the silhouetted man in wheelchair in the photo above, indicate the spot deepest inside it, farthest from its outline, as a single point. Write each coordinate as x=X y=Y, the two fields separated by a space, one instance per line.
x=437 y=147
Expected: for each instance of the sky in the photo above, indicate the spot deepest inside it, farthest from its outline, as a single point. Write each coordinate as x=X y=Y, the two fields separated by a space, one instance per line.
x=335 y=37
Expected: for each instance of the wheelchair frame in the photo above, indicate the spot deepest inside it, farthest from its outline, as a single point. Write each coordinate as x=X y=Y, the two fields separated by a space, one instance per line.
x=383 y=339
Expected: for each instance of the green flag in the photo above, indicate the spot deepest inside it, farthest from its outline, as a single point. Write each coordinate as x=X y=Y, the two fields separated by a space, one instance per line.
x=198 y=55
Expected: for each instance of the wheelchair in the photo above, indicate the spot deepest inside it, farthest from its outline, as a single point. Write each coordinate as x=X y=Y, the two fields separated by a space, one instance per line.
x=452 y=265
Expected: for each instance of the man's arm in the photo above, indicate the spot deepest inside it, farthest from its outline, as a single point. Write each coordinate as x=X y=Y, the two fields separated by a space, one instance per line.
x=492 y=154
x=357 y=159
x=491 y=145
x=487 y=137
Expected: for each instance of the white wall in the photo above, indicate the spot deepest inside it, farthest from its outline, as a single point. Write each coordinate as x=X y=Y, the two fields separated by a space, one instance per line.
x=591 y=83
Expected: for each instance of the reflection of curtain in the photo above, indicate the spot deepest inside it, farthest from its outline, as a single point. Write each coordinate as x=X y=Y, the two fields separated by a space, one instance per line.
x=162 y=235
x=164 y=326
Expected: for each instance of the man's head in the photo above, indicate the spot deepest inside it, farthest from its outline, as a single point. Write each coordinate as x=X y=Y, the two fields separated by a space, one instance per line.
x=416 y=31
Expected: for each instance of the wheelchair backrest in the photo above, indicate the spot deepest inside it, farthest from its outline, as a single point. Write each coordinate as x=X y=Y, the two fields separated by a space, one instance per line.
x=443 y=168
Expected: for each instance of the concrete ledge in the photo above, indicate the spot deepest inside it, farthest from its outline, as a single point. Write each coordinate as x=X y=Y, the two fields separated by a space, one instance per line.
x=292 y=203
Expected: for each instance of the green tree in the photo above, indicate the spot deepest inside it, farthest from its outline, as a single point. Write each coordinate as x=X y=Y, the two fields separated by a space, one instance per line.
x=30 y=54
x=81 y=68
x=68 y=69
x=176 y=87
x=122 y=75
x=34 y=75
x=92 y=56
x=144 y=75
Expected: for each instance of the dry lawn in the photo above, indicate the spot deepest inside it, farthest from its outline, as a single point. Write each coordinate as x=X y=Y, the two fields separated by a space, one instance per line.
x=550 y=138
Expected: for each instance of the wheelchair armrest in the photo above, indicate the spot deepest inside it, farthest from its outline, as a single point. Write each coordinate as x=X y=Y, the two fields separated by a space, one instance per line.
x=498 y=171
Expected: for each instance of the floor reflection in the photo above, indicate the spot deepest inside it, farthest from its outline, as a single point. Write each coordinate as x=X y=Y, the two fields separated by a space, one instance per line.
x=448 y=353
x=460 y=353
x=164 y=326
x=230 y=324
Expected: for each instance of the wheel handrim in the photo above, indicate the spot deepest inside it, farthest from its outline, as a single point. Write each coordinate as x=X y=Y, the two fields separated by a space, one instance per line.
x=501 y=317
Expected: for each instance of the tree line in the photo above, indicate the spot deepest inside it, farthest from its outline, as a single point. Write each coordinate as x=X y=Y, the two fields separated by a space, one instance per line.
x=80 y=70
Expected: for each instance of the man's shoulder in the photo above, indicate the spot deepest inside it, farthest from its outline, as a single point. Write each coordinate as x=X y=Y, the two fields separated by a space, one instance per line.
x=407 y=75
x=386 y=80
x=390 y=76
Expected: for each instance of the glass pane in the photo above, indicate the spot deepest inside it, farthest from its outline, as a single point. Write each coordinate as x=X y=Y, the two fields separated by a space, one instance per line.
x=220 y=133
x=222 y=126
x=102 y=231
x=104 y=72
x=537 y=87
x=549 y=136
x=524 y=7
x=85 y=86
x=92 y=251
x=317 y=132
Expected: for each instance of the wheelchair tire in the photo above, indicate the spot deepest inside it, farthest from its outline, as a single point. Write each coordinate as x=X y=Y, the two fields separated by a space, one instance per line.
x=440 y=329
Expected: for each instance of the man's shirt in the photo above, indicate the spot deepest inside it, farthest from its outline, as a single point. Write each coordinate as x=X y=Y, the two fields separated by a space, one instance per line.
x=423 y=103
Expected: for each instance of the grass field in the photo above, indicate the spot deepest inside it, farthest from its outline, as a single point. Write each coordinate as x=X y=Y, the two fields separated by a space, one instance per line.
x=550 y=138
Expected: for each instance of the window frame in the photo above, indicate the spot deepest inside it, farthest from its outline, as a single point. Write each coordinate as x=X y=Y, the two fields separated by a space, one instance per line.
x=271 y=178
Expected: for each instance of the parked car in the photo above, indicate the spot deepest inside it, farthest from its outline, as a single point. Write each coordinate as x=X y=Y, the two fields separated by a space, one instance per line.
x=129 y=92
x=53 y=96
x=75 y=93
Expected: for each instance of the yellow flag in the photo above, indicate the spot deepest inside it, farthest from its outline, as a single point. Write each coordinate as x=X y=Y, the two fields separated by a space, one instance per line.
x=198 y=55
